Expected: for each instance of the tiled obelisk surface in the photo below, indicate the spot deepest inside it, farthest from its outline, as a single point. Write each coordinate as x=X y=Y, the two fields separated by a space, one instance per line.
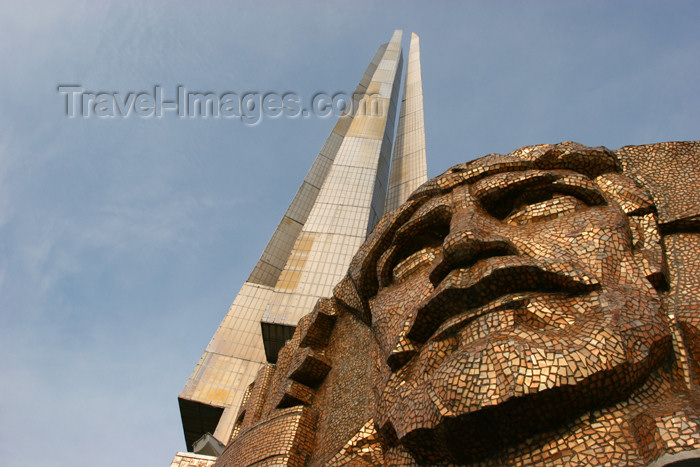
x=350 y=202
x=340 y=200
x=409 y=168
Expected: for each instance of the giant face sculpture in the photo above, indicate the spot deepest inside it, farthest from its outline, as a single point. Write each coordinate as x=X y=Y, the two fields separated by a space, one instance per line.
x=511 y=295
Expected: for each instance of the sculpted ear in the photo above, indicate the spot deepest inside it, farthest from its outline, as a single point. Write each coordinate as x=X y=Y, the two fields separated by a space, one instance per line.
x=639 y=206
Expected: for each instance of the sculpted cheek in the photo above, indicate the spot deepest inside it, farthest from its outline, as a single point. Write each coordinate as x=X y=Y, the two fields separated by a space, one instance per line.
x=394 y=305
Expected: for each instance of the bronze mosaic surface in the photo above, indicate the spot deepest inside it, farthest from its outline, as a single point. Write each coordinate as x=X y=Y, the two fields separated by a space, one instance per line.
x=535 y=308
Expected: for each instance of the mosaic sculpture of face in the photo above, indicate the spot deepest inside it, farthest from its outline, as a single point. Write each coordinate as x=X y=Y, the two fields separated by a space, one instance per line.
x=507 y=306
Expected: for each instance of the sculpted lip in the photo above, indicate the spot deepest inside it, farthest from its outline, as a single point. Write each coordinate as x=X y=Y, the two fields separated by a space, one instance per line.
x=471 y=290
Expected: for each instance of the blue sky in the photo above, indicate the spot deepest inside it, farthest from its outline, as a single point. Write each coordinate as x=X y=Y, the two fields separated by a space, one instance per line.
x=123 y=241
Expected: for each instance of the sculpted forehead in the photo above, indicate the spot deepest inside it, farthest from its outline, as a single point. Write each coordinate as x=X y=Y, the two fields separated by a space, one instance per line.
x=572 y=156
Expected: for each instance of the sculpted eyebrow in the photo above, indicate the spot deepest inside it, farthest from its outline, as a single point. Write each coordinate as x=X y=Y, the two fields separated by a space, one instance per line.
x=491 y=190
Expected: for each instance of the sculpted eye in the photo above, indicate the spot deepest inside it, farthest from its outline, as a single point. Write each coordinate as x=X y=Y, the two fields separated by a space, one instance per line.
x=544 y=207
x=415 y=246
x=542 y=198
x=414 y=262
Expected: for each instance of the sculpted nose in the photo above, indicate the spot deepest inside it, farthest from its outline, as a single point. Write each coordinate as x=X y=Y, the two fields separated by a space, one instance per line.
x=467 y=243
